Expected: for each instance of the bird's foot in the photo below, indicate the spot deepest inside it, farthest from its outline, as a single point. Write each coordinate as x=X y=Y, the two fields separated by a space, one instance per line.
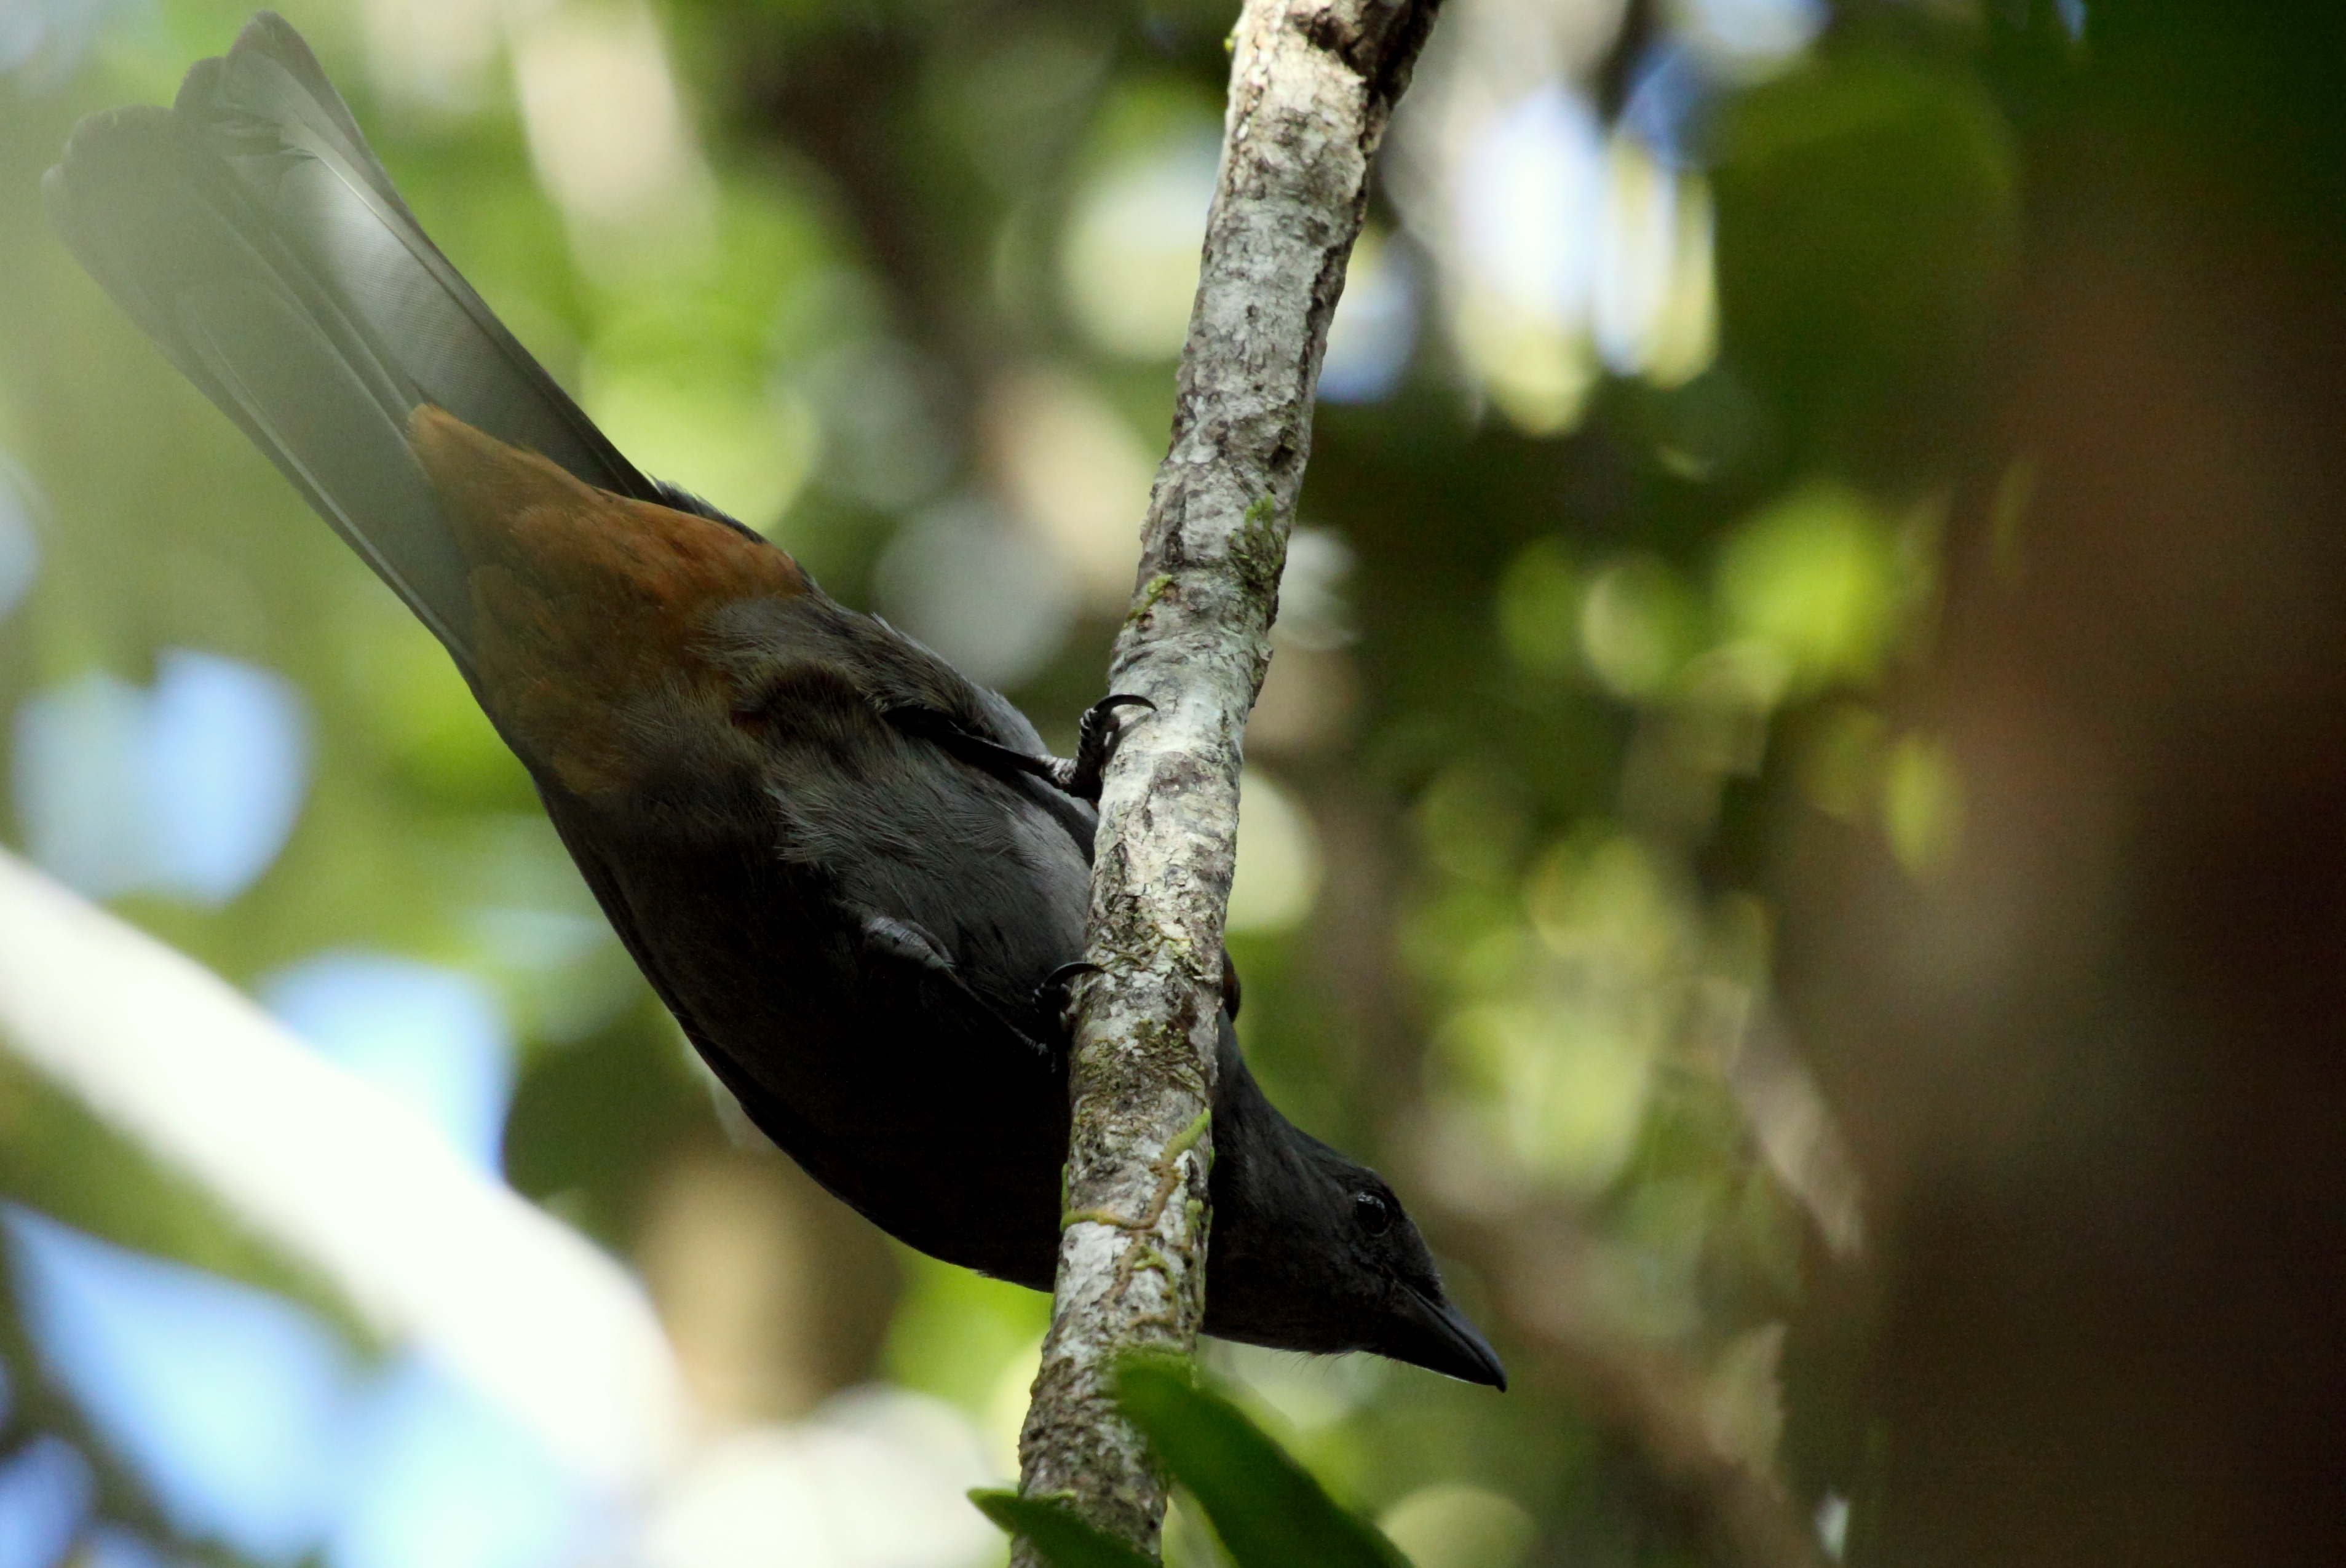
x=1057 y=992
x=1095 y=744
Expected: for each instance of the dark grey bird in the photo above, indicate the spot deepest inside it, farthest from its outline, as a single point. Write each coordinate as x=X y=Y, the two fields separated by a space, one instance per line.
x=854 y=876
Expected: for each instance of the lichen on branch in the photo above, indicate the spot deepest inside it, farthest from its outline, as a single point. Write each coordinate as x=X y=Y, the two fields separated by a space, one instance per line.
x=1312 y=85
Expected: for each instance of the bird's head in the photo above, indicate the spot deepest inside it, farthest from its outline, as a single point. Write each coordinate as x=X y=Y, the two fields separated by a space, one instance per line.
x=1313 y=1251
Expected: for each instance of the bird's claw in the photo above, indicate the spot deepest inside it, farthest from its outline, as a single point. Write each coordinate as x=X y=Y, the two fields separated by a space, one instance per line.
x=1053 y=994
x=1095 y=744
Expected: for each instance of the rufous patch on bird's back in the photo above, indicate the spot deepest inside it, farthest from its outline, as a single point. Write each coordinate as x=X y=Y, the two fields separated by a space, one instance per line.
x=586 y=603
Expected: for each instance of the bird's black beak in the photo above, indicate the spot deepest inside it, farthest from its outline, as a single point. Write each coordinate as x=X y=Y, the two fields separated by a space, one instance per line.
x=1436 y=1336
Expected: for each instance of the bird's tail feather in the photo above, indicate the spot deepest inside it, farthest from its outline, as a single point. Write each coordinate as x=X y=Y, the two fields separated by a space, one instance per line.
x=252 y=232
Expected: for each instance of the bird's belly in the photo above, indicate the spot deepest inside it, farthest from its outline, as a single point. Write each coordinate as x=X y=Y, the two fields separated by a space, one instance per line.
x=947 y=1133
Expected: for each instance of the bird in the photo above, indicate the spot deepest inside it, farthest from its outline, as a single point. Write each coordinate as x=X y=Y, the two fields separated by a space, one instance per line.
x=857 y=879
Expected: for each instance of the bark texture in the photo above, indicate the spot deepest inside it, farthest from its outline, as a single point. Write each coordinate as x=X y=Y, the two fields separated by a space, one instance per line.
x=1313 y=84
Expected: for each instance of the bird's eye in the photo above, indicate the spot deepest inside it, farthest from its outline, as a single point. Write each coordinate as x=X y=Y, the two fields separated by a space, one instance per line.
x=1374 y=1213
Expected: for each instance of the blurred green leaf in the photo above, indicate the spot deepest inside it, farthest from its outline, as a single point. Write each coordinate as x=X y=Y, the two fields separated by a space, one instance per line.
x=1639 y=624
x=959 y=1335
x=1450 y=1524
x=1868 y=217
x=1065 y=1539
x=1814 y=578
x=1268 y=1510
x=1539 y=608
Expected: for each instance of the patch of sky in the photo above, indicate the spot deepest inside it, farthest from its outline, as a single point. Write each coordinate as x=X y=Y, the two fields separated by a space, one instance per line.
x=44 y=1492
x=450 y=1482
x=432 y=1039
x=254 y=1427
x=1375 y=325
x=43 y=42
x=20 y=543
x=188 y=788
x=1529 y=198
x=1671 y=97
x=226 y=1400
x=1748 y=36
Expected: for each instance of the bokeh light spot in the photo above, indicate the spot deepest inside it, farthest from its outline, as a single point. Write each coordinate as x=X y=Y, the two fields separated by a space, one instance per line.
x=1741 y=37
x=1528 y=203
x=995 y=601
x=189 y=790
x=1564 y=1092
x=226 y=1400
x=432 y=1039
x=1539 y=608
x=1640 y=624
x=1528 y=199
x=1375 y=324
x=745 y=449
x=20 y=545
x=1129 y=258
x=608 y=135
x=1315 y=613
x=1453 y=1525
x=1278 y=873
x=1654 y=299
x=1475 y=822
x=1814 y=576
x=1841 y=764
x=1922 y=804
x=1076 y=472
x=44 y=1491
x=1599 y=898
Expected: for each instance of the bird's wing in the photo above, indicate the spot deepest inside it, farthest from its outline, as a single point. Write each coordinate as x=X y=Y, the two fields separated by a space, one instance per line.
x=254 y=235
x=767 y=1111
x=1029 y=774
x=905 y=953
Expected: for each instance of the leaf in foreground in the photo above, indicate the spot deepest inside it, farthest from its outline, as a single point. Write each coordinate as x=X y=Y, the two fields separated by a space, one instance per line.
x=1268 y=1510
x=1065 y=1539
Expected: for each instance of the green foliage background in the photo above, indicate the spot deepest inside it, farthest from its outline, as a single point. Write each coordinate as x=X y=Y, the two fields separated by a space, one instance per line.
x=1590 y=673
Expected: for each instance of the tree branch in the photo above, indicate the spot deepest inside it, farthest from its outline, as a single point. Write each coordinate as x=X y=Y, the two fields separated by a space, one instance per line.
x=1313 y=84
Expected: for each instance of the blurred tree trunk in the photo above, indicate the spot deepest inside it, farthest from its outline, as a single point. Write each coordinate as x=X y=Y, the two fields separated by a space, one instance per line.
x=2095 y=1068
